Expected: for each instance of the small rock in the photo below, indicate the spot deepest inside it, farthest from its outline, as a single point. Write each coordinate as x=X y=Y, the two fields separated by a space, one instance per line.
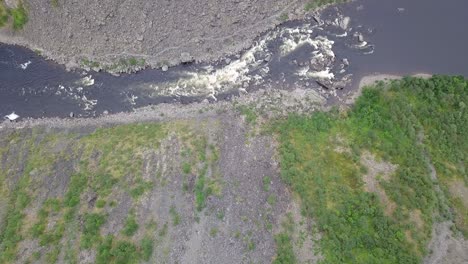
x=360 y=38
x=268 y=58
x=165 y=68
x=105 y=112
x=72 y=115
x=186 y=57
x=344 y=23
x=345 y=62
x=227 y=60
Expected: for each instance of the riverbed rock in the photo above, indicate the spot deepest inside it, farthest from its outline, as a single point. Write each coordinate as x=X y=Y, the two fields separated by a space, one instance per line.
x=165 y=68
x=344 y=23
x=185 y=57
x=345 y=62
x=360 y=38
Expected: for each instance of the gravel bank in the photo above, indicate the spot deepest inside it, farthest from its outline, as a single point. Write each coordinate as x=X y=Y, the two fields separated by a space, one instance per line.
x=122 y=34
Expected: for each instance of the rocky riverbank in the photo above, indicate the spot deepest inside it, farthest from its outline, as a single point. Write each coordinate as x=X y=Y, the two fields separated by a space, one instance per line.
x=125 y=36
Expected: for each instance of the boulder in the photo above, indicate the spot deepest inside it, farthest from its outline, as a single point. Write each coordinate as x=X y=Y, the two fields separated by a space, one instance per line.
x=185 y=57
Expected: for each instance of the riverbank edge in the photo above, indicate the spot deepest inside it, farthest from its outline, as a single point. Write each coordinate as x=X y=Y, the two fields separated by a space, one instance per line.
x=105 y=63
x=117 y=65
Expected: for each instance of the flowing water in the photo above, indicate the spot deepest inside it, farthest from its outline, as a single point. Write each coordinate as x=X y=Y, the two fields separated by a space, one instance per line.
x=329 y=52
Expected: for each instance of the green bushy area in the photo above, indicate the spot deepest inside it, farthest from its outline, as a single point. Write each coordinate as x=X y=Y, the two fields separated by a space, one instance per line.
x=313 y=4
x=18 y=16
x=104 y=165
x=409 y=123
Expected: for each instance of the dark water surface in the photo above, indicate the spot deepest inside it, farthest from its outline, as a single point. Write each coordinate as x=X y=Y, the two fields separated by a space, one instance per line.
x=428 y=36
x=406 y=37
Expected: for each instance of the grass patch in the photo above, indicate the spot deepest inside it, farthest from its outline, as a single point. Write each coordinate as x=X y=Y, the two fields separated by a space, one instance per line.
x=175 y=216
x=186 y=168
x=19 y=16
x=266 y=183
x=92 y=225
x=11 y=229
x=284 y=250
x=314 y=4
x=213 y=231
x=249 y=113
x=147 y=245
x=131 y=226
x=114 y=251
x=4 y=14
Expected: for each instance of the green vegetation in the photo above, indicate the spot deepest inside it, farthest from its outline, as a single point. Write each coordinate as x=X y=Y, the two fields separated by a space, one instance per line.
x=284 y=17
x=54 y=3
x=186 y=168
x=284 y=251
x=203 y=157
x=11 y=230
x=122 y=64
x=314 y=4
x=89 y=63
x=175 y=216
x=101 y=167
x=4 y=14
x=388 y=122
x=131 y=226
x=18 y=16
x=213 y=231
x=249 y=113
x=284 y=243
x=114 y=251
x=266 y=183
x=200 y=194
x=146 y=246
x=271 y=200
x=92 y=225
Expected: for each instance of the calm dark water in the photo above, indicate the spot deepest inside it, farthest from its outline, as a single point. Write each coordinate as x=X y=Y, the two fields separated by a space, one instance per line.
x=408 y=37
x=427 y=36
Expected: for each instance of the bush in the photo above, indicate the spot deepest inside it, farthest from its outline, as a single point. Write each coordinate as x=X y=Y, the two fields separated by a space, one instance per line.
x=124 y=253
x=20 y=17
x=146 y=246
x=131 y=226
x=284 y=250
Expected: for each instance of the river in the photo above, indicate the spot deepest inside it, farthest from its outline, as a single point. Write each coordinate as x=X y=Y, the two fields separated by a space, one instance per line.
x=393 y=37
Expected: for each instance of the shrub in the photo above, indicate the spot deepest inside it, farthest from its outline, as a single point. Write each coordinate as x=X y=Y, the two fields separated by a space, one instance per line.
x=20 y=17
x=131 y=226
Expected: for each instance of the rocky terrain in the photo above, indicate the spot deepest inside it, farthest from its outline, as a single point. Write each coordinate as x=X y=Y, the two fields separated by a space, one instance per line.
x=197 y=186
x=117 y=35
x=173 y=184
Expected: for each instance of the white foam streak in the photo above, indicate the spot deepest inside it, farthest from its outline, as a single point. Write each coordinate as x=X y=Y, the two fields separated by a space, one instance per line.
x=25 y=65
x=325 y=74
